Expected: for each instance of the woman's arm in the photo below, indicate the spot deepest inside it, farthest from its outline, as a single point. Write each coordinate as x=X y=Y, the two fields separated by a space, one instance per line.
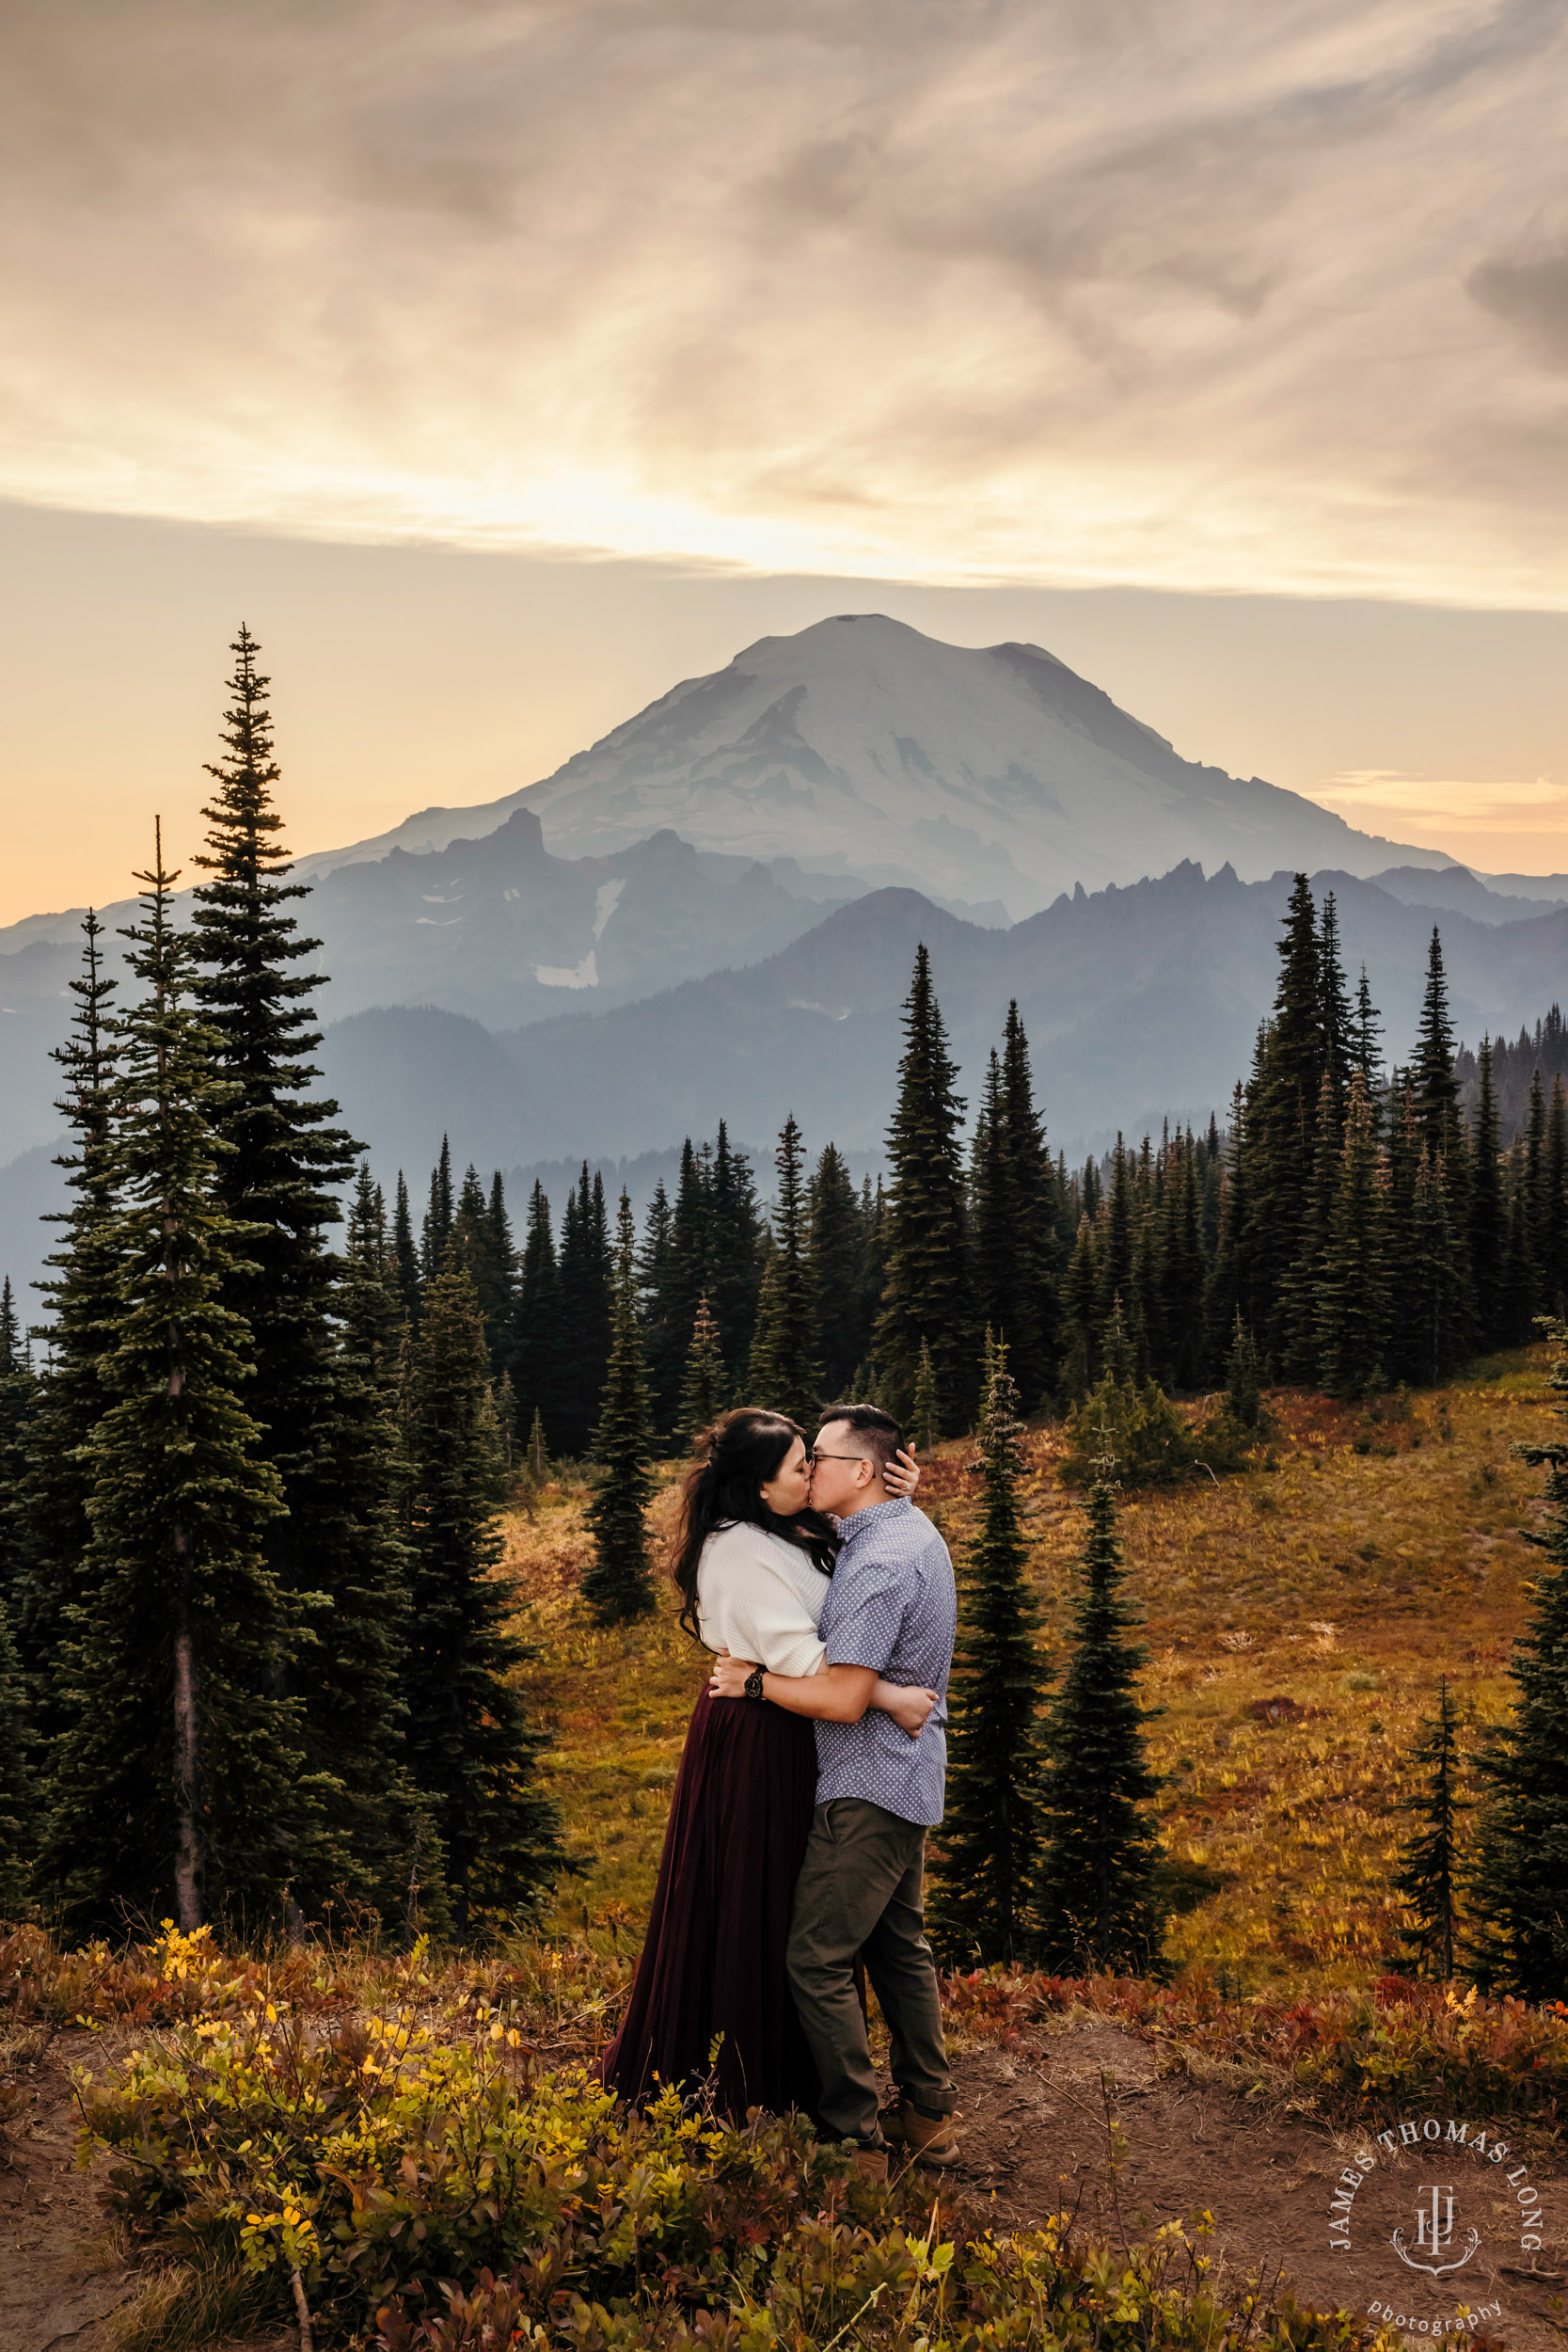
x=834 y=1694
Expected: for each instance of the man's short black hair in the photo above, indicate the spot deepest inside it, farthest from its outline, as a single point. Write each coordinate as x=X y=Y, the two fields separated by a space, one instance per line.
x=882 y=1435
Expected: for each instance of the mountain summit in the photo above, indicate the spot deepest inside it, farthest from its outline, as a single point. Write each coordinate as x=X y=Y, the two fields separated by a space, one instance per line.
x=862 y=747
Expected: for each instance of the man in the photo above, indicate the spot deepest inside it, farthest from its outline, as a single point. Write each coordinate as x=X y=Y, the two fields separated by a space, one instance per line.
x=890 y=1610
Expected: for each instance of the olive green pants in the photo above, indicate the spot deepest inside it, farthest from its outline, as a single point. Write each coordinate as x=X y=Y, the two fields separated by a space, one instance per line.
x=860 y=1892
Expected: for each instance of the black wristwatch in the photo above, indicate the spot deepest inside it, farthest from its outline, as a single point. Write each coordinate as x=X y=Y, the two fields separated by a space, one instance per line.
x=753 y=1683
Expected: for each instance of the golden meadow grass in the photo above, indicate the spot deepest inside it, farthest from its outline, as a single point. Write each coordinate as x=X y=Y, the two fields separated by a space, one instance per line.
x=1299 y=1616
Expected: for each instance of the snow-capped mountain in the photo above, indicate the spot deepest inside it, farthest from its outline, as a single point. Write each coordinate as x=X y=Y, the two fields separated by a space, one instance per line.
x=862 y=746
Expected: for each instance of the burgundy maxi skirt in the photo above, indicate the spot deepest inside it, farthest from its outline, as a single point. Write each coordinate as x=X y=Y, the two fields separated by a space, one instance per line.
x=714 y=1960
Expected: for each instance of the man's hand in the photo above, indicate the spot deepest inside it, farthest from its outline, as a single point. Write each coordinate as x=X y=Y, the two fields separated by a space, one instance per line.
x=908 y=1704
x=728 y=1678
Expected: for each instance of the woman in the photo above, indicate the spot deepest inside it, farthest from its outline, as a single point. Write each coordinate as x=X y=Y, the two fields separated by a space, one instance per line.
x=751 y=1565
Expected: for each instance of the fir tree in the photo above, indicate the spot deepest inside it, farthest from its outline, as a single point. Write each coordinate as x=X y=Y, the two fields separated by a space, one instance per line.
x=1338 y=1023
x=483 y=1234
x=1436 y=1088
x=18 y=1406
x=1034 y=1188
x=84 y=1297
x=283 y=1163
x=991 y=1828
x=661 y=1338
x=1522 y=1850
x=1281 y=1120
x=471 y=1748
x=539 y=1343
x=837 y=1246
x=586 y=1312
x=782 y=1373
x=1366 y=1047
x=17 y=1788
x=927 y=1293
x=1080 y=1361
x=1244 y=1397
x=1428 y=1875
x=440 y=1211
x=1228 y=1291
x=1488 y=1235
x=405 y=1254
x=735 y=1251
x=1182 y=1269
x=1554 y=1225
x=538 y=1453
x=703 y=1391
x=926 y=1411
x=1098 y=1889
x=178 y=1784
x=618 y=1583
x=1353 y=1302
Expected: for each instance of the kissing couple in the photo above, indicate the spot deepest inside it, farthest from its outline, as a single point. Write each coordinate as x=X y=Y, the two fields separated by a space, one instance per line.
x=814 y=1763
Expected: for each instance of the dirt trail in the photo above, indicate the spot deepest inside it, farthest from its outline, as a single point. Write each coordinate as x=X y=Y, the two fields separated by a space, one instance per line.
x=1038 y=2136
x=1087 y=2129
x=60 y=2275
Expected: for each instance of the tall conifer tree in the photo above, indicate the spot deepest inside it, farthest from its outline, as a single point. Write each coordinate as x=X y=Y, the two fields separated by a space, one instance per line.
x=280 y=1172
x=782 y=1373
x=927 y=1292
x=1098 y=1889
x=17 y=1784
x=837 y=1247
x=618 y=1583
x=1428 y=1873
x=440 y=1210
x=471 y=1747
x=991 y=1828
x=1354 y=1306
x=538 y=1348
x=1522 y=1850
x=82 y=1294
x=405 y=1254
x=1281 y=1123
x=586 y=1309
x=178 y=1782
x=702 y=1393
x=735 y=1249
x=1488 y=1235
x=18 y=1407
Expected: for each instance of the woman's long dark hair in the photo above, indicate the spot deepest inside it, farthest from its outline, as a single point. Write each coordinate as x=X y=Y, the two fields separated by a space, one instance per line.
x=734 y=1458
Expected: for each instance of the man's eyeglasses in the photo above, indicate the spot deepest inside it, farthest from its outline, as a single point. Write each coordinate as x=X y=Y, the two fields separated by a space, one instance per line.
x=819 y=1453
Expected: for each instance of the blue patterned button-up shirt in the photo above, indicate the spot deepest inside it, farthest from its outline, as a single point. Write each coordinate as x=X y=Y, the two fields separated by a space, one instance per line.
x=891 y=1605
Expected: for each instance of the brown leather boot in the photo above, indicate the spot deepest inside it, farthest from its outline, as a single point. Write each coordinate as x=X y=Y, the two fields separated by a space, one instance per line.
x=928 y=2138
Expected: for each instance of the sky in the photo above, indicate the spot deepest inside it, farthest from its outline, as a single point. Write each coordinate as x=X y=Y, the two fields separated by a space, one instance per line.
x=500 y=363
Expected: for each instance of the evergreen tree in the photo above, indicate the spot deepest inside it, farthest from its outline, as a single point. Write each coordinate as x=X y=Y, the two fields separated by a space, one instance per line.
x=1354 y=1306
x=585 y=1315
x=282 y=1166
x=18 y=1789
x=1522 y=1850
x=660 y=1338
x=18 y=1406
x=1097 y=1889
x=1080 y=1362
x=1433 y=1301
x=1436 y=1087
x=618 y=1583
x=1300 y=1346
x=1366 y=1049
x=703 y=1394
x=179 y=1783
x=1243 y=1398
x=1183 y=1273
x=406 y=1255
x=735 y=1251
x=539 y=1343
x=483 y=1233
x=471 y=1747
x=440 y=1213
x=926 y=1412
x=538 y=1453
x=782 y=1373
x=84 y=1297
x=1281 y=1122
x=1228 y=1292
x=927 y=1293
x=1488 y=1217
x=1554 y=1222
x=1338 y=1023
x=1428 y=1875
x=991 y=1828
x=1035 y=1194
x=837 y=1246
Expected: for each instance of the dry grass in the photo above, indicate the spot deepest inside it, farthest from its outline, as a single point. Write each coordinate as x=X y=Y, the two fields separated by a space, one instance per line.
x=1298 y=1619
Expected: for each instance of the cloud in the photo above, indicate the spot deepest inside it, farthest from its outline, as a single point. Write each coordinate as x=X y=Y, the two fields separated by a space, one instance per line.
x=1178 y=291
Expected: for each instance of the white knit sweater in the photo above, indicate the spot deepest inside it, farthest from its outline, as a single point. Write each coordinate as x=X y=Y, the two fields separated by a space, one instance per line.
x=760 y=1597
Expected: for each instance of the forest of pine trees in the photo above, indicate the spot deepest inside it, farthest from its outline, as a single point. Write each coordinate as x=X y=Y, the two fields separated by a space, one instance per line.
x=251 y=1660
